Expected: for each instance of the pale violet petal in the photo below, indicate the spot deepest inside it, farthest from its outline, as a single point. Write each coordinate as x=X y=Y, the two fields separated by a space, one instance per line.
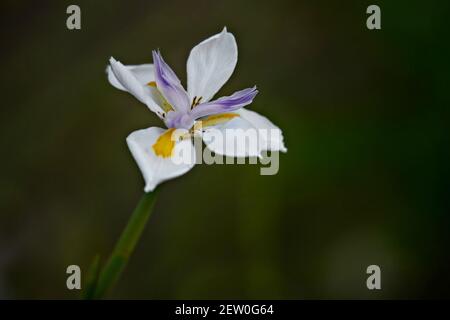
x=156 y=169
x=210 y=65
x=169 y=84
x=236 y=101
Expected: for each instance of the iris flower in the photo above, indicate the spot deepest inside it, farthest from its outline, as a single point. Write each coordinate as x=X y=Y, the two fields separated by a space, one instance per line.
x=209 y=66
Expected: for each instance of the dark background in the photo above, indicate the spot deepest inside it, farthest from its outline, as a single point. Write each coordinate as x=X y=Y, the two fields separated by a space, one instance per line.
x=365 y=180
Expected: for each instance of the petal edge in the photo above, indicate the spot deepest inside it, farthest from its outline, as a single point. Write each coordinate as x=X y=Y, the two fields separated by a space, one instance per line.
x=210 y=64
x=156 y=169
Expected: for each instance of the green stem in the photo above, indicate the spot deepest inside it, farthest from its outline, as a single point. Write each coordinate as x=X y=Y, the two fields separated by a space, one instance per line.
x=92 y=278
x=125 y=245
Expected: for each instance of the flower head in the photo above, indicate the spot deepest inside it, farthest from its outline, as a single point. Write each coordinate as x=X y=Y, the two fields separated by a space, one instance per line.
x=209 y=66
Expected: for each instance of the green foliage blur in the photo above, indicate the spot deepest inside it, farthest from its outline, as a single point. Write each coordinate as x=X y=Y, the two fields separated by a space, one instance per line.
x=365 y=181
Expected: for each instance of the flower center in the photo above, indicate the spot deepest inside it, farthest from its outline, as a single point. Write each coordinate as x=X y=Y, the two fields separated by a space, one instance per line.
x=180 y=120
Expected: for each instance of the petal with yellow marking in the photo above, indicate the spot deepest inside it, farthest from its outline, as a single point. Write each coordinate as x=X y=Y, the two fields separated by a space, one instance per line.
x=218 y=119
x=159 y=98
x=165 y=143
x=156 y=169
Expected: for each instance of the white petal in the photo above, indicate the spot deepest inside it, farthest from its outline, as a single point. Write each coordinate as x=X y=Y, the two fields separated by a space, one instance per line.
x=210 y=65
x=154 y=168
x=245 y=136
x=134 y=79
x=272 y=141
x=144 y=73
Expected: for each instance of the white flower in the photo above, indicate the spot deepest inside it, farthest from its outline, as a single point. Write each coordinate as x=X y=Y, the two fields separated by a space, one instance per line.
x=209 y=66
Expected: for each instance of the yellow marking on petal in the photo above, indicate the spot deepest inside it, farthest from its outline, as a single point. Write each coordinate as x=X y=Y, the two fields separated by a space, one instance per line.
x=218 y=119
x=162 y=101
x=164 y=145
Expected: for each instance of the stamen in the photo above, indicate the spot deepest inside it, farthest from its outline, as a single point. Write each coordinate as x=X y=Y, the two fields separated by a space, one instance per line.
x=196 y=102
x=193 y=102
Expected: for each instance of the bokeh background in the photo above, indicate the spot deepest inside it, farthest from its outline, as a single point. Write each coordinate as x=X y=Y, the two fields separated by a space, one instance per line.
x=365 y=181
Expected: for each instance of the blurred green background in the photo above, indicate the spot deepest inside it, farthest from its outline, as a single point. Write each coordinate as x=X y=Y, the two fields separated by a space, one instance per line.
x=365 y=180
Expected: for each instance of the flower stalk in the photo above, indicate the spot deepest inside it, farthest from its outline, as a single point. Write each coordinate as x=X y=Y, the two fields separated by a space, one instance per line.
x=130 y=236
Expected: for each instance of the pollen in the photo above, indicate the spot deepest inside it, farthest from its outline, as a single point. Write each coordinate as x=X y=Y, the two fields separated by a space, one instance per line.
x=164 y=145
x=152 y=84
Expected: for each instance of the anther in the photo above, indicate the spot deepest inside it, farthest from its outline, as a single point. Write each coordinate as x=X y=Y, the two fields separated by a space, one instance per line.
x=193 y=102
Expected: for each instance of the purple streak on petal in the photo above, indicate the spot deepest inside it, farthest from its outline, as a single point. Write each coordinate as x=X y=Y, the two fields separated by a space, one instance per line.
x=169 y=84
x=236 y=101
